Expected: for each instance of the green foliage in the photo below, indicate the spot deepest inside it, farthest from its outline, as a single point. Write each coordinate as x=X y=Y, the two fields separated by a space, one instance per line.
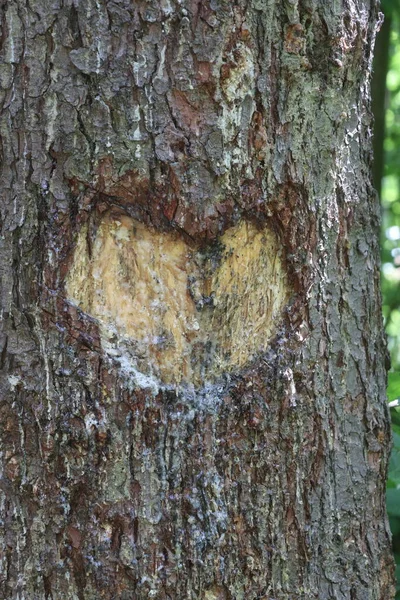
x=390 y=6
x=390 y=252
x=393 y=388
x=391 y=202
x=393 y=497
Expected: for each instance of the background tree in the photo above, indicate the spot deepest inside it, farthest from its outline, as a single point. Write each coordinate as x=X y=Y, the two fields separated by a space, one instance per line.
x=193 y=401
x=387 y=142
x=386 y=106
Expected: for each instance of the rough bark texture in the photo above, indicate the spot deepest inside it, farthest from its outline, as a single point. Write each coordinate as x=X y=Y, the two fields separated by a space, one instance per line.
x=187 y=119
x=379 y=93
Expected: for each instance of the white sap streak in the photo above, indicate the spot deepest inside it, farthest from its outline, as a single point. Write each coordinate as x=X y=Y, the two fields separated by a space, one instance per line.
x=51 y=112
x=43 y=351
x=161 y=64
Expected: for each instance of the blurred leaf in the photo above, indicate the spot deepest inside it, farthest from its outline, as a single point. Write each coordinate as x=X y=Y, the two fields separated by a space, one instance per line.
x=393 y=502
x=390 y=7
x=394 y=525
x=393 y=388
x=394 y=468
x=395 y=416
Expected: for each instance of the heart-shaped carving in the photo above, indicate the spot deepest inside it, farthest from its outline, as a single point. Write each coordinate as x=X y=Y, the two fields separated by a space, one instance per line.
x=188 y=314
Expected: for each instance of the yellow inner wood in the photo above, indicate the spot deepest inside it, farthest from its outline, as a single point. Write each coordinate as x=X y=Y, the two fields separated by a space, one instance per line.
x=190 y=315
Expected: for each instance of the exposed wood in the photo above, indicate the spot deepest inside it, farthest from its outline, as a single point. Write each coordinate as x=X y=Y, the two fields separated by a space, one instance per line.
x=175 y=311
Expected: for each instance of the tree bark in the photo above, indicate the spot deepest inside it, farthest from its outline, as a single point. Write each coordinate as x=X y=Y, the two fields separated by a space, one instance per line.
x=378 y=92
x=193 y=393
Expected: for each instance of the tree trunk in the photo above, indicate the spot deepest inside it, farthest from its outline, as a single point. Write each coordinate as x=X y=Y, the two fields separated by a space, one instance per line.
x=193 y=402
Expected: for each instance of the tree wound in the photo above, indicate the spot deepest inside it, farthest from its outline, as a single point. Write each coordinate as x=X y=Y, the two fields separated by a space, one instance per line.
x=188 y=314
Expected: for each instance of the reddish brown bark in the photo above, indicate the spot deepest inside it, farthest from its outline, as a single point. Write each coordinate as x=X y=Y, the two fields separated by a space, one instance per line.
x=266 y=481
